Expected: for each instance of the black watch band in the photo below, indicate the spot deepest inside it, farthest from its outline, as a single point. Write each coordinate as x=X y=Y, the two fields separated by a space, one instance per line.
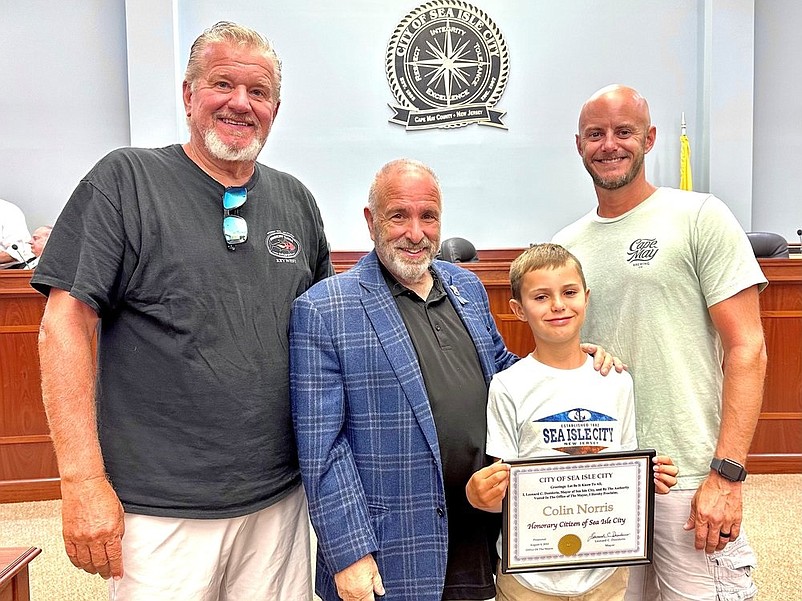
x=729 y=469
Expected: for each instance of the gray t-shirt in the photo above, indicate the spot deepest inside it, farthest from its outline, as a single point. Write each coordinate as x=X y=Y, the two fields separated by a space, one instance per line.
x=193 y=376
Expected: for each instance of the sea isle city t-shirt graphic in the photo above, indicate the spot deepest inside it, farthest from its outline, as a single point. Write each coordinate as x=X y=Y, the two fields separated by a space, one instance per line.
x=578 y=431
x=447 y=65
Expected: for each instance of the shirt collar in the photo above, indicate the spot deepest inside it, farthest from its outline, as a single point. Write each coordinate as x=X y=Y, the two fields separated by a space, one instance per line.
x=398 y=289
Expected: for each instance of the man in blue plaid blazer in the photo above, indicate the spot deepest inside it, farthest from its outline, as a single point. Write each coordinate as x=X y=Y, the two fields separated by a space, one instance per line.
x=362 y=403
x=367 y=442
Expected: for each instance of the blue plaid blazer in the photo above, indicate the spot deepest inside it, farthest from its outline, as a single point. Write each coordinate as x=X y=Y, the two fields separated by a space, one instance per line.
x=366 y=437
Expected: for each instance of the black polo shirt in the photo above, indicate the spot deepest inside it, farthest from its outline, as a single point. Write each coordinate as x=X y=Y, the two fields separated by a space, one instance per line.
x=457 y=395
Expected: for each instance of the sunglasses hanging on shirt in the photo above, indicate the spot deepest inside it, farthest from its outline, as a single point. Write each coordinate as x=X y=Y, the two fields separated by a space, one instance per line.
x=235 y=228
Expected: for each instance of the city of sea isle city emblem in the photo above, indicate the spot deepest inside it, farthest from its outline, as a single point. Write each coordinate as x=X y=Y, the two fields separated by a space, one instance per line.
x=447 y=65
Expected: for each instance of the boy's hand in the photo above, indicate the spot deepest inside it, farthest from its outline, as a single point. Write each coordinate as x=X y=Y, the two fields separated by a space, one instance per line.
x=665 y=474
x=487 y=487
x=603 y=362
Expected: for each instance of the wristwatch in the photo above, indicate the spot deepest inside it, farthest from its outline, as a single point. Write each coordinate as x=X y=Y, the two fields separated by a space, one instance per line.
x=729 y=469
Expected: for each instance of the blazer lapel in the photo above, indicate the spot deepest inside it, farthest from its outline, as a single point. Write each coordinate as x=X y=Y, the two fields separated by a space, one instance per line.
x=477 y=328
x=381 y=310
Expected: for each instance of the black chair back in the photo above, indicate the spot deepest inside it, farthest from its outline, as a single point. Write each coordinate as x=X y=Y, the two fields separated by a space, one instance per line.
x=768 y=245
x=457 y=250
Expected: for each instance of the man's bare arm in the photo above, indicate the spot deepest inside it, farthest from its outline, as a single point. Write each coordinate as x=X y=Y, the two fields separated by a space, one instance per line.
x=717 y=507
x=91 y=512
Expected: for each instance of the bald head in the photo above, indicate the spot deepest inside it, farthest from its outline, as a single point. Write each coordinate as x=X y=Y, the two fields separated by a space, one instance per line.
x=403 y=216
x=392 y=172
x=39 y=239
x=616 y=97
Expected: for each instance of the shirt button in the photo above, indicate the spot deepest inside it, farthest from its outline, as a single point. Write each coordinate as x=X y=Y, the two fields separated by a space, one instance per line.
x=440 y=511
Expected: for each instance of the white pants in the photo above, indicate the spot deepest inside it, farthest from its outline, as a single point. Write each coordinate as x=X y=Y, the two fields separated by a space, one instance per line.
x=679 y=572
x=263 y=556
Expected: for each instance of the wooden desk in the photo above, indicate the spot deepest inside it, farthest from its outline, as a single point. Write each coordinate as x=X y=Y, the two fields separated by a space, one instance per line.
x=14 y=562
x=28 y=470
x=777 y=444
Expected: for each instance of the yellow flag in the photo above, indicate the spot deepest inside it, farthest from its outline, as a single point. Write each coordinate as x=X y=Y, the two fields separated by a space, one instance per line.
x=685 y=177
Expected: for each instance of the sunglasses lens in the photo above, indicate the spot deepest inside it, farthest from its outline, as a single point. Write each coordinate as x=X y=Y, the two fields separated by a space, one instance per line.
x=235 y=229
x=234 y=198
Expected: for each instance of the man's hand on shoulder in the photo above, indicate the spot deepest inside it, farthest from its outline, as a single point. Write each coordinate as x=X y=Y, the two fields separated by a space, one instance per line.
x=603 y=361
x=93 y=526
x=360 y=581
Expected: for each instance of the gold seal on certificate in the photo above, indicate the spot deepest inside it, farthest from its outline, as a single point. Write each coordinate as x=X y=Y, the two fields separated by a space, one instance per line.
x=570 y=544
x=578 y=511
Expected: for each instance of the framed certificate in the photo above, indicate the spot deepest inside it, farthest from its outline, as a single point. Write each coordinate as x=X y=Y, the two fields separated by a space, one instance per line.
x=578 y=511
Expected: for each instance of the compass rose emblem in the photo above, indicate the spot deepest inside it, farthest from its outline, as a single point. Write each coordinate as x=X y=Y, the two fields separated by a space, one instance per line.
x=447 y=64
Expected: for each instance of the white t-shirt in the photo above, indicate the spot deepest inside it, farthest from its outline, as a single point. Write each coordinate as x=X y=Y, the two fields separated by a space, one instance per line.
x=653 y=273
x=535 y=410
x=14 y=230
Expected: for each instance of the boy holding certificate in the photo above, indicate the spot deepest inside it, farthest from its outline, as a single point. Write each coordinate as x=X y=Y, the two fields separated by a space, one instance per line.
x=535 y=407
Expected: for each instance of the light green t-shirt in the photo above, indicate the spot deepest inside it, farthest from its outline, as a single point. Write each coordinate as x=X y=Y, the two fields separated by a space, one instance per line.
x=653 y=272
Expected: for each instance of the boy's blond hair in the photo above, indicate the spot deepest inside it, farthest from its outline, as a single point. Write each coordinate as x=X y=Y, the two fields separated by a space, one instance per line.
x=541 y=256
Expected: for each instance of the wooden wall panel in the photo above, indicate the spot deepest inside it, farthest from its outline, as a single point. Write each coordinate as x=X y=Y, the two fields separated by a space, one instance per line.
x=783 y=384
x=21 y=407
x=27 y=462
x=777 y=445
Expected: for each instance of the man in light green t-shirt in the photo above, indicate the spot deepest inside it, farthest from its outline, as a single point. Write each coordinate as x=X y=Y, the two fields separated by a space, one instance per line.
x=675 y=286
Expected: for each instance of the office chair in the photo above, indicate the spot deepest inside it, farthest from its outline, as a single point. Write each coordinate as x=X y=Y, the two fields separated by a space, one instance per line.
x=768 y=245
x=457 y=250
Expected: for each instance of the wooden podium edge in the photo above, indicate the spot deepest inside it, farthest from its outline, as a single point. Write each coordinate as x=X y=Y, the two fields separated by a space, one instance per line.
x=18 y=491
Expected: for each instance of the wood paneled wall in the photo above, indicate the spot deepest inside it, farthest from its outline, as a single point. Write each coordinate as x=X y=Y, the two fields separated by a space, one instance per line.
x=27 y=462
x=28 y=468
x=777 y=445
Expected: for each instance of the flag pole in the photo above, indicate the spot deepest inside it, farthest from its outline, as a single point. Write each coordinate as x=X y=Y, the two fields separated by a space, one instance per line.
x=685 y=177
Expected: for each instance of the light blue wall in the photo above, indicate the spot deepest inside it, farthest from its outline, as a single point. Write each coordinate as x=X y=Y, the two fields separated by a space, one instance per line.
x=777 y=200
x=76 y=67
x=65 y=97
x=501 y=188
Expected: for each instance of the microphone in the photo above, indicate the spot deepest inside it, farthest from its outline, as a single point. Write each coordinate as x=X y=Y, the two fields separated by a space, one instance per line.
x=17 y=250
x=799 y=233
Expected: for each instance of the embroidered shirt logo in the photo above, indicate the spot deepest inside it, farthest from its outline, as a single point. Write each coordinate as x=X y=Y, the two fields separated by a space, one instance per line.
x=642 y=251
x=282 y=245
x=447 y=64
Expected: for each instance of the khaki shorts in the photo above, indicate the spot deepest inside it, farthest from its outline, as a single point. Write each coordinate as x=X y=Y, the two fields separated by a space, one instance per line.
x=509 y=589
x=680 y=572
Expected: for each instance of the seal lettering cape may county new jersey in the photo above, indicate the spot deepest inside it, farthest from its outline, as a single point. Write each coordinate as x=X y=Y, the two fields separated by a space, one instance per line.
x=447 y=65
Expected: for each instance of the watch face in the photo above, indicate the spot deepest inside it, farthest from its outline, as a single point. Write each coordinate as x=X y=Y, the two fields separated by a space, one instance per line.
x=731 y=470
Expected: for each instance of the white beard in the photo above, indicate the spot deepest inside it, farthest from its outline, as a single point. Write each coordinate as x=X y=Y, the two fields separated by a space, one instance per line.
x=400 y=267
x=220 y=150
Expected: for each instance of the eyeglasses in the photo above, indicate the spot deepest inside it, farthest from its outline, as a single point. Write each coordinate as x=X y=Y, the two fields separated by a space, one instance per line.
x=235 y=228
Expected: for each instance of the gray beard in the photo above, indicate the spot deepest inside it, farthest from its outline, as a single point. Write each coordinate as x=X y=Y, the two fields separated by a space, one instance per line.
x=225 y=153
x=401 y=269
x=409 y=272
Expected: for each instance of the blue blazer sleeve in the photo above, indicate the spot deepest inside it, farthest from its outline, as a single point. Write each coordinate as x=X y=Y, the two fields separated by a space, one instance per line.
x=336 y=498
